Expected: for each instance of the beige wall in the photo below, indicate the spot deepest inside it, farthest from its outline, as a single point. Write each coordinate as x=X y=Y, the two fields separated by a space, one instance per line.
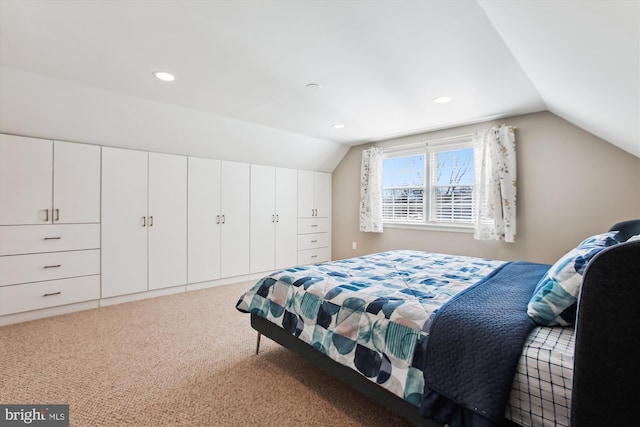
x=571 y=184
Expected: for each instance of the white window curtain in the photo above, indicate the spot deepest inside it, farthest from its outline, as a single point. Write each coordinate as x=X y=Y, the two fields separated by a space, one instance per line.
x=371 y=190
x=495 y=186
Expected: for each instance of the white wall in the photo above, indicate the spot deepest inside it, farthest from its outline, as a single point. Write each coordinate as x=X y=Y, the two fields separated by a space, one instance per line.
x=34 y=105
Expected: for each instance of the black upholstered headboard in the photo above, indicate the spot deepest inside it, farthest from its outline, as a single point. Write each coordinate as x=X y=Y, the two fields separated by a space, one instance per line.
x=607 y=348
x=626 y=229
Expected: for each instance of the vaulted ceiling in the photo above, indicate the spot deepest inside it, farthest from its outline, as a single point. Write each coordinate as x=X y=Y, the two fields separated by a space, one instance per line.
x=378 y=64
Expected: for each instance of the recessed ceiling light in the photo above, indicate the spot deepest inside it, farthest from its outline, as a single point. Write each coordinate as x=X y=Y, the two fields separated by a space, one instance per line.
x=442 y=99
x=338 y=126
x=164 y=76
x=313 y=86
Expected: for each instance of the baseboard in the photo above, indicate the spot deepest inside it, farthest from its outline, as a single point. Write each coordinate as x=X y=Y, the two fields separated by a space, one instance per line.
x=26 y=316
x=218 y=282
x=142 y=295
x=105 y=302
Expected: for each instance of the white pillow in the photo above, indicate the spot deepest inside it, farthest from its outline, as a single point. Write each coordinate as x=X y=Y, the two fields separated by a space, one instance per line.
x=552 y=303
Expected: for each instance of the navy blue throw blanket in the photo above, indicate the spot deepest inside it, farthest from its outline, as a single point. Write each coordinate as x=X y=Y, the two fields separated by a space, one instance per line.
x=474 y=344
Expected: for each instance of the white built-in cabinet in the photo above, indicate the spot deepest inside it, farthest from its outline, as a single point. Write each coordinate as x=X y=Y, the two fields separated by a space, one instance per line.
x=234 y=218
x=274 y=194
x=124 y=216
x=49 y=223
x=314 y=194
x=314 y=217
x=167 y=221
x=47 y=182
x=218 y=224
x=203 y=220
x=82 y=223
x=144 y=221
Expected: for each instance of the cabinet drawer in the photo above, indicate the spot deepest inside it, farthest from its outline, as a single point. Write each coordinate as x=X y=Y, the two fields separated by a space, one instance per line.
x=16 y=269
x=34 y=296
x=31 y=239
x=312 y=256
x=313 y=240
x=313 y=225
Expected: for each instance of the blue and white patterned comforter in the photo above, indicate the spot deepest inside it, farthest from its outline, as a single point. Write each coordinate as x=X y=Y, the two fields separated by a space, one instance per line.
x=369 y=313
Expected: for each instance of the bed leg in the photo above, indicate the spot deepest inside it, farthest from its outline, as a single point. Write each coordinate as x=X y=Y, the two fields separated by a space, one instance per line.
x=258 y=343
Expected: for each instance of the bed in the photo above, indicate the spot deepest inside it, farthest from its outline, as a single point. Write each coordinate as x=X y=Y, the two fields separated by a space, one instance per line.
x=443 y=339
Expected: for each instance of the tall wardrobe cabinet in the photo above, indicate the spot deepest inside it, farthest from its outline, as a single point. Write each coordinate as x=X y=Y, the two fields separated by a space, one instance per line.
x=274 y=195
x=314 y=217
x=144 y=221
x=49 y=223
x=218 y=219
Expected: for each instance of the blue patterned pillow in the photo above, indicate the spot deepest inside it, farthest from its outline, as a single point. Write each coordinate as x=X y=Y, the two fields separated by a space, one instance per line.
x=555 y=297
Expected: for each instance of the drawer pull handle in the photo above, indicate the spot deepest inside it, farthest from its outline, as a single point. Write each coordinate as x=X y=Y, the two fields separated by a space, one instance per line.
x=53 y=266
x=314 y=241
x=52 y=238
x=314 y=256
x=46 y=215
x=314 y=225
x=57 y=215
x=52 y=293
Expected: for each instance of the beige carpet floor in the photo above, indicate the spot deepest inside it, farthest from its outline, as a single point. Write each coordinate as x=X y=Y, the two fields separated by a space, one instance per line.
x=180 y=360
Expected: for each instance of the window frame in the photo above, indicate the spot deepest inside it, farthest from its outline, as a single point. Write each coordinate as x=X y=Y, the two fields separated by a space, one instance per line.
x=429 y=149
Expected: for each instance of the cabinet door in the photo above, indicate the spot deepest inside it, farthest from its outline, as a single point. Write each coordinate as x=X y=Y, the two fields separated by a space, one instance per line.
x=76 y=183
x=203 y=252
x=305 y=194
x=124 y=212
x=26 y=174
x=235 y=181
x=287 y=222
x=263 y=217
x=167 y=220
x=322 y=194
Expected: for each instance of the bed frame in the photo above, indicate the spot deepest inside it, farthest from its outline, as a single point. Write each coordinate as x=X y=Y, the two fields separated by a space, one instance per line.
x=604 y=364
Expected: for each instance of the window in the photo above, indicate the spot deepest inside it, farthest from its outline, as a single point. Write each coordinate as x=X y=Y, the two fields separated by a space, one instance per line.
x=430 y=185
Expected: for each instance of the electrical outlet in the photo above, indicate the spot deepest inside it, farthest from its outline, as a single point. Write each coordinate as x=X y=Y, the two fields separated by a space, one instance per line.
x=354 y=245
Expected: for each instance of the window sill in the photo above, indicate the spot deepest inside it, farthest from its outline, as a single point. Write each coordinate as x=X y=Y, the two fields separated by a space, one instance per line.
x=452 y=228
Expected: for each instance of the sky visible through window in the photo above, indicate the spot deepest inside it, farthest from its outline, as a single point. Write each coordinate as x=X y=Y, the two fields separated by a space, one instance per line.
x=456 y=167
x=403 y=171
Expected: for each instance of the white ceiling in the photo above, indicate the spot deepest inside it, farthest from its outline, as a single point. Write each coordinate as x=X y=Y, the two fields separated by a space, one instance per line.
x=380 y=63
